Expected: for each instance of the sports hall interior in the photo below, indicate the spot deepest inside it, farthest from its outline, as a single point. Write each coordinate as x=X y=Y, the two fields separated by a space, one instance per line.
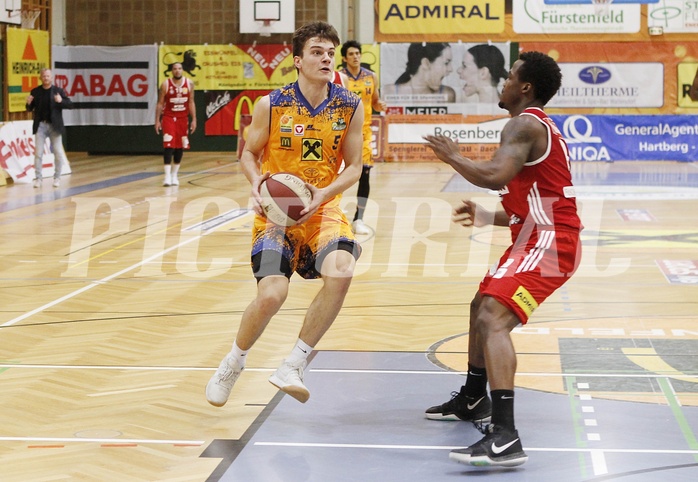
x=119 y=297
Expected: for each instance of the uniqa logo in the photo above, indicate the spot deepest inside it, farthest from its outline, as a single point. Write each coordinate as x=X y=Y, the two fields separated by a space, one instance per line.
x=594 y=75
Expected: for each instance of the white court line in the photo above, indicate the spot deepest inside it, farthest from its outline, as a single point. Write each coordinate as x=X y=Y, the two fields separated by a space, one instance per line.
x=102 y=440
x=131 y=390
x=448 y=447
x=123 y=367
x=326 y=370
x=523 y=374
x=111 y=277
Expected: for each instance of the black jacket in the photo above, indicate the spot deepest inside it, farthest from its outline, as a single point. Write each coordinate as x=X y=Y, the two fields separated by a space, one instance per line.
x=55 y=108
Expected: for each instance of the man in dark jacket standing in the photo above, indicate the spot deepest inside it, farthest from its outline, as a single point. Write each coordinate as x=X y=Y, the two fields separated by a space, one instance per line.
x=47 y=103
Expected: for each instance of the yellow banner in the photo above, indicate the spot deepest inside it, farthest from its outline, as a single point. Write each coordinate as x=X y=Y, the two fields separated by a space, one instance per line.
x=230 y=67
x=442 y=17
x=27 y=54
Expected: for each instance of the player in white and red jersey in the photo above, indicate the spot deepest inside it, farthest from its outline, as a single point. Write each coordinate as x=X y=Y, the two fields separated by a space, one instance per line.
x=175 y=105
x=532 y=173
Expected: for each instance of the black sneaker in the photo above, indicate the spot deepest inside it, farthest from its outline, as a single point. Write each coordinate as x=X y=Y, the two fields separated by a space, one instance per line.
x=499 y=447
x=462 y=407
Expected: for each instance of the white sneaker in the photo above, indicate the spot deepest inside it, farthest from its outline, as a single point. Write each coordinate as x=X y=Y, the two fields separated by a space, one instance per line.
x=289 y=379
x=175 y=180
x=359 y=227
x=56 y=183
x=167 y=182
x=37 y=183
x=221 y=383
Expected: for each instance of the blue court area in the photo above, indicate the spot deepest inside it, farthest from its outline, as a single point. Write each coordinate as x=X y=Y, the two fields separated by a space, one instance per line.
x=365 y=421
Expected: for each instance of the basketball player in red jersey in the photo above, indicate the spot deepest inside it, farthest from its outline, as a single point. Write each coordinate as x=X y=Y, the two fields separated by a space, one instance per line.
x=531 y=170
x=175 y=105
x=306 y=128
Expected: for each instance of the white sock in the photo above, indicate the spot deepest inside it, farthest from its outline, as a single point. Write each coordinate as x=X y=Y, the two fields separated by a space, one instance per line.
x=168 y=169
x=239 y=354
x=300 y=351
x=175 y=170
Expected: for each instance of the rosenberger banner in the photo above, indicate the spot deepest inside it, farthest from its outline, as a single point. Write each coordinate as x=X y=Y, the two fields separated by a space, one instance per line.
x=27 y=54
x=108 y=85
x=477 y=136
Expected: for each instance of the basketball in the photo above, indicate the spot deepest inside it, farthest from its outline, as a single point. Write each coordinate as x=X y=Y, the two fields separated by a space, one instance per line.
x=284 y=196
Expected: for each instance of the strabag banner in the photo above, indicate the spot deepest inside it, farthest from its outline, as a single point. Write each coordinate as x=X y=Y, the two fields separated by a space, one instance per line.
x=630 y=137
x=108 y=85
x=27 y=54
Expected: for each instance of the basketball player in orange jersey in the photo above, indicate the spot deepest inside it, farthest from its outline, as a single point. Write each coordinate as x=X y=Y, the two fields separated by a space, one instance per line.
x=531 y=170
x=306 y=128
x=363 y=83
x=175 y=105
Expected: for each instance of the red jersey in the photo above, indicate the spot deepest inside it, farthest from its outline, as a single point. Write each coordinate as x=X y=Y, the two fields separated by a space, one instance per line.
x=542 y=192
x=177 y=99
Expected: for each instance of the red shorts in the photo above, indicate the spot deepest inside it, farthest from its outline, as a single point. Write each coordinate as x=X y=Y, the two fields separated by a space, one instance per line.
x=175 y=132
x=531 y=270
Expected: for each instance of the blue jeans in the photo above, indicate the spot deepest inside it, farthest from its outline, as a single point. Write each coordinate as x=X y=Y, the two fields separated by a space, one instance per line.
x=46 y=130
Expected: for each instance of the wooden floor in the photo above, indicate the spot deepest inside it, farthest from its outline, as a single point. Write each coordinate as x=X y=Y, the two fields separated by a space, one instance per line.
x=119 y=297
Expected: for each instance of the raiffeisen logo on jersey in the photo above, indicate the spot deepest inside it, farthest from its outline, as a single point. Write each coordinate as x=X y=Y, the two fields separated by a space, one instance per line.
x=594 y=74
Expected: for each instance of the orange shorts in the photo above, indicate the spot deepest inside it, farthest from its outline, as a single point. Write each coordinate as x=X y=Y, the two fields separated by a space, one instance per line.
x=278 y=250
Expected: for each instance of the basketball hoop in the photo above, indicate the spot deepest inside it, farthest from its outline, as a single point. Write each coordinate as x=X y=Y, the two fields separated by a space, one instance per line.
x=602 y=7
x=29 y=16
x=265 y=28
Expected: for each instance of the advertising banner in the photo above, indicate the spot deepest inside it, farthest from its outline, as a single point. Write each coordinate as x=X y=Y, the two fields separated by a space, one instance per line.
x=538 y=17
x=609 y=84
x=477 y=136
x=230 y=67
x=623 y=78
x=674 y=16
x=226 y=109
x=443 y=78
x=442 y=17
x=27 y=54
x=630 y=137
x=17 y=152
x=108 y=85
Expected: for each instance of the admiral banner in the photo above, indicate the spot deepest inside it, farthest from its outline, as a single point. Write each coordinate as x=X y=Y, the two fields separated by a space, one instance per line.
x=108 y=85
x=27 y=54
x=230 y=67
x=442 y=17
x=630 y=137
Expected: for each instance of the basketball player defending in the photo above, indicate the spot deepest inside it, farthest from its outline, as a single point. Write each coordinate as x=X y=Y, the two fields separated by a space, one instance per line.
x=305 y=128
x=363 y=83
x=531 y=170
x=175 y=105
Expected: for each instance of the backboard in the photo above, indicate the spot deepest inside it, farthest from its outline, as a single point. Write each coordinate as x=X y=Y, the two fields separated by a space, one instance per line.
x=11 y=11
x=265 y=17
